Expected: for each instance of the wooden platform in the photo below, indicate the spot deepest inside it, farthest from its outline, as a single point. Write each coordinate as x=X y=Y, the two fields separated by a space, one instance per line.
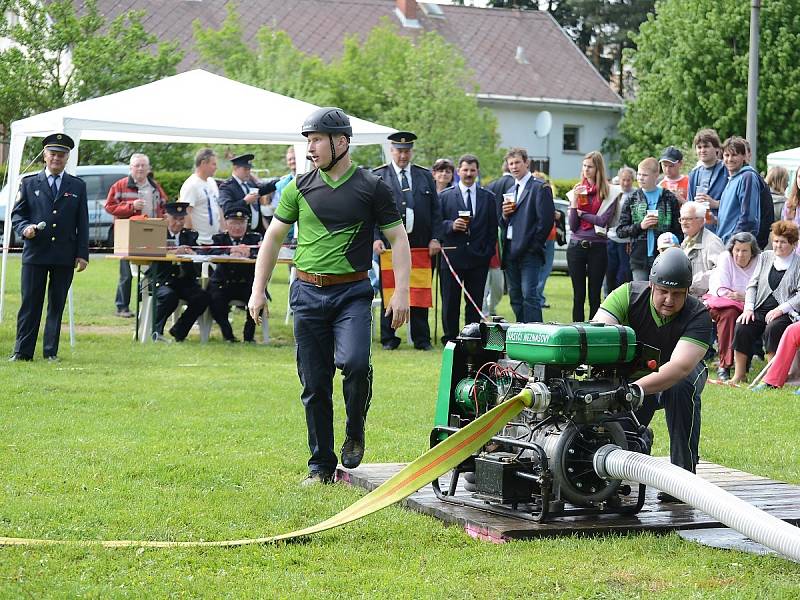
x=779 y=499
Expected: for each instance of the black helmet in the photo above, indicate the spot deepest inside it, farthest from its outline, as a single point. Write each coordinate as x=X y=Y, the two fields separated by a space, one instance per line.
x=672 y=269
x=328 y=119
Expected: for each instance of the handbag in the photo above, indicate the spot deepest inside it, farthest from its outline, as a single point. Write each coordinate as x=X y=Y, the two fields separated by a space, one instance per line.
x=722 y=302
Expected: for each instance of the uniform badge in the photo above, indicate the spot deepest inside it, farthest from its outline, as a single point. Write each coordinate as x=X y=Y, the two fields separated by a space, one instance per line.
x=36 y=193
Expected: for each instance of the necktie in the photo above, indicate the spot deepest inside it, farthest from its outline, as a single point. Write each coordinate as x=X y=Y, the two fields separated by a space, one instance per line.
x=54 y=187
x=469 y=203
x=516 y=192
x=405 y=188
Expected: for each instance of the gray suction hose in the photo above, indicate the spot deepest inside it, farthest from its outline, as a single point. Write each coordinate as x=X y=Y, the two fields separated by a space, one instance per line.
x=611 y=462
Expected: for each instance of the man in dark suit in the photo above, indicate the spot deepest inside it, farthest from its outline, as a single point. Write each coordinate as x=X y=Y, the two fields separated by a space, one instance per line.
x=527 y=218
x=469 y=221
x=52 y=216
x=415 y=195
x=173 y=282
x=233 y=281
x=241 y=192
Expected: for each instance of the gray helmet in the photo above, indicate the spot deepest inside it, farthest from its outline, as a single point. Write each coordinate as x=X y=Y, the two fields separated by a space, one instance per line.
x=328 y=119
x=672 y=269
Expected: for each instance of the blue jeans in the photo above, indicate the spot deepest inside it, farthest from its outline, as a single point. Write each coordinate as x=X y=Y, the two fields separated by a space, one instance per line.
x=523 y=282
x=332 y=329
x=547 y=268
x=618 y=270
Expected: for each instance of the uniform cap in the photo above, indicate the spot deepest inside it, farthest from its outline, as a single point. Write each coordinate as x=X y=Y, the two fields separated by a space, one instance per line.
x=243 y=160
x=402 y=139
x=176 y=209
x=236 y=213
x=58 y=142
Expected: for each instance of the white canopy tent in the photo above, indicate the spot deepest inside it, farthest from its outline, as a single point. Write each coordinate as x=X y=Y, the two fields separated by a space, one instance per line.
x=192 y=107
x=789 y=159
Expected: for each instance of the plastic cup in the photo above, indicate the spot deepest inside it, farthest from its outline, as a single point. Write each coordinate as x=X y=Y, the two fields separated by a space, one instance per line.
x=465 y=215
x=509 y=202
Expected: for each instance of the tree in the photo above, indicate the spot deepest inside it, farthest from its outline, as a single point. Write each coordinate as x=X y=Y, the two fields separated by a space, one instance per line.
x=691 y=72
x=420 y=86
x=58 y=57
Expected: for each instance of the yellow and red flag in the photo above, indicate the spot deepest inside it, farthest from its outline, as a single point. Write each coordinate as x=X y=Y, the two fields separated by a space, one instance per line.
x=420 y=284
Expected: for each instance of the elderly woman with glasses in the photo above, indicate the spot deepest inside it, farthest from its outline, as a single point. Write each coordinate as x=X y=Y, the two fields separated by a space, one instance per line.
x=726 y=292
x=771 y=301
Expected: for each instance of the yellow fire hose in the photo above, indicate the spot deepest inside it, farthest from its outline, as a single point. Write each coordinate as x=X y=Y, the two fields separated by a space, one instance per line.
x=434 y=463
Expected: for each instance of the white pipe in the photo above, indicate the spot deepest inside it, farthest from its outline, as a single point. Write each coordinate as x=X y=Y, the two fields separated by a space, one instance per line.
x=611 y=462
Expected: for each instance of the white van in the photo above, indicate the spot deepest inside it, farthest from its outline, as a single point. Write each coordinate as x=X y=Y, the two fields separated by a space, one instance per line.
x=99 y=179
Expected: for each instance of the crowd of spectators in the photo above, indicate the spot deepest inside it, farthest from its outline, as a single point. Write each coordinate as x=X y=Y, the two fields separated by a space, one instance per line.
x=719 y=211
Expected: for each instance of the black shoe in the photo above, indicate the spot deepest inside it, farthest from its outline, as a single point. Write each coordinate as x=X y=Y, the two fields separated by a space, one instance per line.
x=391 y=345
x=249 y=341
x=317 y=478
x=231 y=340
x=177 y=338
x=427 y=348
x=352 y=453
x=125 y=313
x=19 y=358
x=545 y=305
x=665 y=497
x=52 y=359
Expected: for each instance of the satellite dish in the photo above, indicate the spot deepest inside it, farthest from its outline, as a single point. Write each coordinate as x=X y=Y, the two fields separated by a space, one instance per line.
x=544 y=122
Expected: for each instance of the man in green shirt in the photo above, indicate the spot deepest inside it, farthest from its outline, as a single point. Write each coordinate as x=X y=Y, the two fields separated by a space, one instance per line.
x=336 y=207
x=664 y=315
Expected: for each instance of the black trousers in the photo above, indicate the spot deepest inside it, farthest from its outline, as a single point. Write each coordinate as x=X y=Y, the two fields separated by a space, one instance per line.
x=746 y=335
x=474 y=282
x=33 y=286
x=586 y=260
x=167 y=298
x=221 y=295
x=681 y=404
x=332 y=330
x=123 y=297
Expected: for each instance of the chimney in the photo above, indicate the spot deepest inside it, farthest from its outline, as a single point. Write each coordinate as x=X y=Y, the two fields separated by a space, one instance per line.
x=406 y=11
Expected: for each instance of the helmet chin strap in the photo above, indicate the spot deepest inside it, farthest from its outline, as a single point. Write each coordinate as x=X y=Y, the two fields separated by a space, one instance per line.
x=334 y=158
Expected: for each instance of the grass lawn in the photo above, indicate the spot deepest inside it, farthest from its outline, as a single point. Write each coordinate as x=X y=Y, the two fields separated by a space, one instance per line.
x=128 y=441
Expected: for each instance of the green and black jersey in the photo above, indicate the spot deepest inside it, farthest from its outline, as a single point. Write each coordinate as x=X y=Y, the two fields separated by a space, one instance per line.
x=631 y=305
x=337 y=219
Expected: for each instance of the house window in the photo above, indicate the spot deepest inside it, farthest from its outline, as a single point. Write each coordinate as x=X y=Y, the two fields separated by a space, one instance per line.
x=571 y=138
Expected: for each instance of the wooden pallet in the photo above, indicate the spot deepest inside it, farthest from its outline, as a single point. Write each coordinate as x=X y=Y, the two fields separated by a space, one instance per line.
x=779 y=499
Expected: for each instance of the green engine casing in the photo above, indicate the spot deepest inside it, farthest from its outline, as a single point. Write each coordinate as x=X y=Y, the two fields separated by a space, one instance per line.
x=570 y=345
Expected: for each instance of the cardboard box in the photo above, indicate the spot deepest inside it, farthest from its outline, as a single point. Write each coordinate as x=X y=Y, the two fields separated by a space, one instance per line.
x=140 y=237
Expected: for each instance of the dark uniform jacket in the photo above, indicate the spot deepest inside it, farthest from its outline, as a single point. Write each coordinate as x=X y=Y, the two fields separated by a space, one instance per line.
x=426 y=206
x=231 y=195
x=164 y=273
x=531 y=222
x=66 y=233
x=233 y=273
x=476 y=248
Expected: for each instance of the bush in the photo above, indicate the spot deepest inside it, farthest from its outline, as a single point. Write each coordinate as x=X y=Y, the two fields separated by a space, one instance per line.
x=172 y=181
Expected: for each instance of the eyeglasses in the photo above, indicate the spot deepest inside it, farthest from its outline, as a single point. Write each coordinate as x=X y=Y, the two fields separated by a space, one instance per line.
x=688 y=219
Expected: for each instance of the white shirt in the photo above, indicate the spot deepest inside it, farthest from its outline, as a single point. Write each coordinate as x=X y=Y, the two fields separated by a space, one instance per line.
x=473 y=194
x=400 y=178
x=518 y=192
x=50 y=176
x=202 y=195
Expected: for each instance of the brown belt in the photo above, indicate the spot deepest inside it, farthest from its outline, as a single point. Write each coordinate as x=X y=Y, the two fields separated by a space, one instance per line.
x=323 y=279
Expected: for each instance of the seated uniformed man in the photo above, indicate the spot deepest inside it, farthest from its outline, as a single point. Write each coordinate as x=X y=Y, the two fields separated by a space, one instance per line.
x=664 y=315
x=232 y=281
x=177 y=281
